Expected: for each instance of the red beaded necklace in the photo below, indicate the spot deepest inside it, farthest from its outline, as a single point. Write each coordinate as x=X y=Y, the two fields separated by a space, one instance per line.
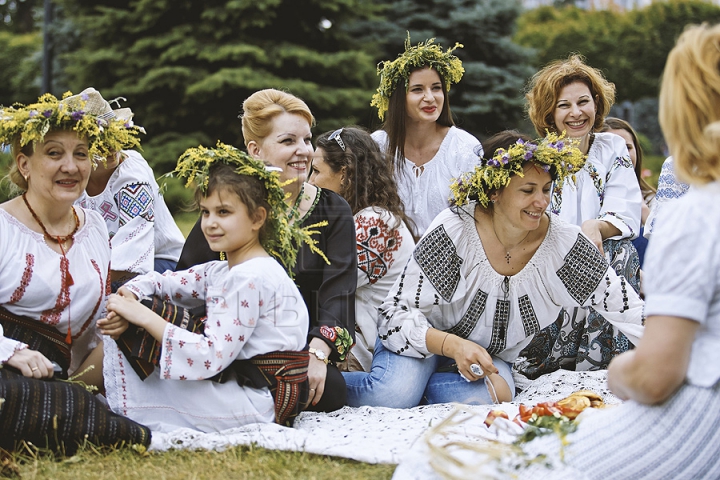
x=55 y=238
x=66 y=279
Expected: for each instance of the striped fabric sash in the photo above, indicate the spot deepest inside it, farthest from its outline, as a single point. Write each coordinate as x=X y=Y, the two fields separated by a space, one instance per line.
x=38 y=336
x=284 y=373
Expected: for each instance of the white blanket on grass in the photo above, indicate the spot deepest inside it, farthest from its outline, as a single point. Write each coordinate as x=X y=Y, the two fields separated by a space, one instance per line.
x=372 y=434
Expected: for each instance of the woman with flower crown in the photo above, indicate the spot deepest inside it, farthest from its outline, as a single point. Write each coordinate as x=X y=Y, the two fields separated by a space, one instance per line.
x=53 y=275
x=277 y=130
x=604 y=199
x=489 y=273
x=669 y=425
x=418 y=132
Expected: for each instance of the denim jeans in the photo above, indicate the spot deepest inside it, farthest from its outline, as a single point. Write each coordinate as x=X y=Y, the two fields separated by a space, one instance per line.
x=398 y=381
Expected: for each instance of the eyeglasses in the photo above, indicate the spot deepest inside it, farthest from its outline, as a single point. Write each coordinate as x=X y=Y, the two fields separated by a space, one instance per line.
x=336 y=136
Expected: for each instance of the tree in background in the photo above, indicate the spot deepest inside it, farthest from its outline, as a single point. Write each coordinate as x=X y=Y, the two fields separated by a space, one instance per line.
x=629 y=47
x=489 y=98
x=186 y=66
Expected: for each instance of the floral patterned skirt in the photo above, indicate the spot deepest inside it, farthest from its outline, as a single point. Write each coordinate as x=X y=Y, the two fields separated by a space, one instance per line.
x=580 y=338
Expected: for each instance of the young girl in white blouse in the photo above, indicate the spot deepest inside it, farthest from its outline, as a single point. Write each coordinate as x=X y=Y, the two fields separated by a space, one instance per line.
x=220 y=371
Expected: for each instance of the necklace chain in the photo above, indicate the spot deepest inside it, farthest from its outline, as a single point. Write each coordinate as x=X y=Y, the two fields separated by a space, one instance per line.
x=60 y=240
x=508 y=250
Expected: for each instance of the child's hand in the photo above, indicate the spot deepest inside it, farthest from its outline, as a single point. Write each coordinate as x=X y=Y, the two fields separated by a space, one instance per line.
x=113 y=325
x=130 y=309
x=127 y=307
x=125 y=292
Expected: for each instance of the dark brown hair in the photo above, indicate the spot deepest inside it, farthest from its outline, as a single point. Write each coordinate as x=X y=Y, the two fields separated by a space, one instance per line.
x=251 y=191
x=394 y=124
x=369 y=180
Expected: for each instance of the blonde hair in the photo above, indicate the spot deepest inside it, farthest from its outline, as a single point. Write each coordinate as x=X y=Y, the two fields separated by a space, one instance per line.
x=690 y=104
x=544 y=89
x=264 y=105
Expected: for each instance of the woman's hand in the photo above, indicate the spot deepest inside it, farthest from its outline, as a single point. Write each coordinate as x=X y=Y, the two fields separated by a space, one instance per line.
x=599 y=230
x=113 y=325
x=31 y=363
x=465 y=353
x=317 y=371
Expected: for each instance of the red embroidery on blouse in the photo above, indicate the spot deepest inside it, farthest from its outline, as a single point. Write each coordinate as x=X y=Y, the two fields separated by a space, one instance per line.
x=51 y=316
x=375 y=246
x=26 y=277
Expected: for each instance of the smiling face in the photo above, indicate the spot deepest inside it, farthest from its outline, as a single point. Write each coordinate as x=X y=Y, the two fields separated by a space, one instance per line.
x=575 y=110
x=288 y=146
x=227 y=224
x=523 y=202
x=424 y=99
x=58 y=169
x=323 y=176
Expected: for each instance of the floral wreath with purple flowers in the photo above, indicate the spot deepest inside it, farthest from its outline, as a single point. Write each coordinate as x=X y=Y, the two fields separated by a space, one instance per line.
x=555 y=153
x=22 y=125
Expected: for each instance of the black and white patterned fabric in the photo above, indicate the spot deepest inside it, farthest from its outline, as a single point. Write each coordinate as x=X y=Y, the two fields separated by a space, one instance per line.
x=583 y=269
x=438 y=259
x=527 y=313
x=468 y=322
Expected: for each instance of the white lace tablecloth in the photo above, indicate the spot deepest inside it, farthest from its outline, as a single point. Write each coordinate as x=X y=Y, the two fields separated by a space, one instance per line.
x=377 y=435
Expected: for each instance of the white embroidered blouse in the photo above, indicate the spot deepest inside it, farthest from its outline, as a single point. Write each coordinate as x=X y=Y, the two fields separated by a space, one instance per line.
x=31 y=281
x=682 y=274
x=252 y=308
x=384 y=245
x=450 y=285
x=140 y=225
x=425 y=190
x=605 y=189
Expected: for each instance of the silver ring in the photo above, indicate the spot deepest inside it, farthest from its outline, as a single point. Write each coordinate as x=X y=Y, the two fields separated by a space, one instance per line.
x=476 y=369
x=312 y=389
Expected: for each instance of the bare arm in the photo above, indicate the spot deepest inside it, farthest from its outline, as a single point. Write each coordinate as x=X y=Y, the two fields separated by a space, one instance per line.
x=658 y=366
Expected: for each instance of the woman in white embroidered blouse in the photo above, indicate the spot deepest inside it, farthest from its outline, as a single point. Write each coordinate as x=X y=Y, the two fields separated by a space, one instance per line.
x=671 y=380
x=348 y=161
x=54 y=265
x=482 y=281
x=604 y=199
x=418 y=134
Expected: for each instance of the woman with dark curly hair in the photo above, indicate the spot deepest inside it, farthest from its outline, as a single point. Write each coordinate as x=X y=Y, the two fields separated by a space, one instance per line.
x=349 y=162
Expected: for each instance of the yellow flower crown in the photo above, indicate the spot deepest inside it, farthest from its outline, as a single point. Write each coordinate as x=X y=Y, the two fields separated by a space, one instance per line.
x=284 y=236
x=558 y=155
x=424 y=54
x=29 y=124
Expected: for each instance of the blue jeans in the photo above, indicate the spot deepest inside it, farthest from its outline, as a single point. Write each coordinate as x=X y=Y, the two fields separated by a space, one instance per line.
x=398 y=381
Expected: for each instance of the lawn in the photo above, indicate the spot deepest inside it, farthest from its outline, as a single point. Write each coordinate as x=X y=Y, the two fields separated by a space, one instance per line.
x=236 y=463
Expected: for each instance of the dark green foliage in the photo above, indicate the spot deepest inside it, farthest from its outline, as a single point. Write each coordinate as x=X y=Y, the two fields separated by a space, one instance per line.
x=186 y=66
x=630 y=48
x=489 y=98
x=19 y=67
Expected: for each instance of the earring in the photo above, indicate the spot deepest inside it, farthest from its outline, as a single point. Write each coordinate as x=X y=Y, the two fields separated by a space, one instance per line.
x=493 y=201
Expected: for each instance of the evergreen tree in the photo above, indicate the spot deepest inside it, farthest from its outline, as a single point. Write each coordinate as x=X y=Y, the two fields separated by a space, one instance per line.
x=489 y=98
x=186 y=66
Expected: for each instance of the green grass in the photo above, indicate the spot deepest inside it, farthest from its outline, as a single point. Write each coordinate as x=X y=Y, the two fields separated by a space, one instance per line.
x=235 y=463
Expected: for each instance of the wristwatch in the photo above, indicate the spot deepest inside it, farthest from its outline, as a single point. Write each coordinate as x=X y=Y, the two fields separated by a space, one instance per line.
x=319 y=354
